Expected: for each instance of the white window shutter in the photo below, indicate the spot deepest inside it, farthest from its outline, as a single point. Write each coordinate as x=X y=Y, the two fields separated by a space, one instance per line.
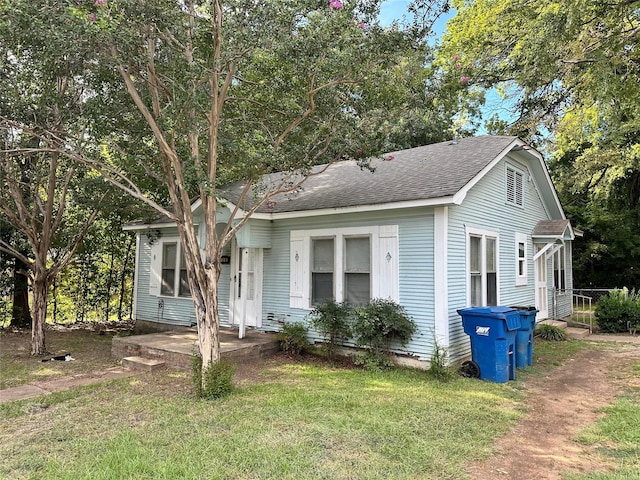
x=155 y=269
x=387 y=264
x=299 y=271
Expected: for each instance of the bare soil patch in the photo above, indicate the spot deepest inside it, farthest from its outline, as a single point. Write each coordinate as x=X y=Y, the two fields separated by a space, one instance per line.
x=541 y=446
x=88 y=344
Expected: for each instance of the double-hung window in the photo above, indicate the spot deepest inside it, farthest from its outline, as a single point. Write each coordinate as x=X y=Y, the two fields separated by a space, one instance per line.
x=357 y=270
x=354 y=269
x=174 y=271
x=354 y=265
x=482 y=268
x=521 y=259
x=559 y=270
x=322 y=270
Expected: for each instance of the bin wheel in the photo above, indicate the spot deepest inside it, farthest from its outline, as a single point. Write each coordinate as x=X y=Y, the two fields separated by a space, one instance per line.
x=470 y=369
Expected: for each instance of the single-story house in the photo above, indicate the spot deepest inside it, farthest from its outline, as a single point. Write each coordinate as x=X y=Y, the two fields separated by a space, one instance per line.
x=470 y=222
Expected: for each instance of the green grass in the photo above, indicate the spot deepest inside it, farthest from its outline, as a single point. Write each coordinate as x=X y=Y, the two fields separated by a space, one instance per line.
x=617 y=436
x=298 y=420
x=301 y=421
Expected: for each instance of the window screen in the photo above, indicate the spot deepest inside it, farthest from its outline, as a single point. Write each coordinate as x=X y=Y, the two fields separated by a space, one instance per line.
x=357 y=271
x=322 y=265
x=169 y=253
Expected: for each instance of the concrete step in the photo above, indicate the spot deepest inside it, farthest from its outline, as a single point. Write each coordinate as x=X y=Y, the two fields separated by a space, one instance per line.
x=575 y=332
x=555 y=323
x=142 y=364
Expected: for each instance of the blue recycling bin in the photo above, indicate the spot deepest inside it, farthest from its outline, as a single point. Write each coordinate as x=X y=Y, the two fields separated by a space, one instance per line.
x=493 y=335
x=524 y=336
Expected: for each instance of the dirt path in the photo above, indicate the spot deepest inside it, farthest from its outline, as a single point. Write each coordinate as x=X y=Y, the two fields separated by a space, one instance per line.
x=540 y=447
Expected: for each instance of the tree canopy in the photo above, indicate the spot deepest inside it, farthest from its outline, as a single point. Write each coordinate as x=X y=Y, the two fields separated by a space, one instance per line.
x=569 y=70
x=193 y=95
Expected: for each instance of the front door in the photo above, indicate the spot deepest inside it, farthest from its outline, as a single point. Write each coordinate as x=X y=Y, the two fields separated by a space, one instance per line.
x=247 y=288
x=541 y=287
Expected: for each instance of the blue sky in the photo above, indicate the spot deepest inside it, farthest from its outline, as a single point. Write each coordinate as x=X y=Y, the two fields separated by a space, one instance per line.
x=395 y=9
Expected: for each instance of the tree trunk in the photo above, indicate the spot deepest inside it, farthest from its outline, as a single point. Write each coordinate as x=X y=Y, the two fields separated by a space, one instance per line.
x=40 y=287
x=54 y=315
x=107 y=310
x=20 y=314
x=208 y=320
x=123 y=276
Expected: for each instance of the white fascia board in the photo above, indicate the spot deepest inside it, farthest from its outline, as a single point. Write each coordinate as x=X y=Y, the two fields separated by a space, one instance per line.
x=431 y=202
x=547 y=178
x=562 y=237
x=462 y=193
x=154 y=226
x=147 y=226
x=195 y=205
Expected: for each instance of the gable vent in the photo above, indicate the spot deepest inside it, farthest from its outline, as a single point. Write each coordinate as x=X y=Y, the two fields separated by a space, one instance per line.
x=515 y=181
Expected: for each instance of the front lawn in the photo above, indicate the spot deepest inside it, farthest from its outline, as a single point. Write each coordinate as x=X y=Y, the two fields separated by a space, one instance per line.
x=302 y=420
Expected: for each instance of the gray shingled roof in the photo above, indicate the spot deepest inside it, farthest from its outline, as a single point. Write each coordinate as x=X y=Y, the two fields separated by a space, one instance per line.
x=550 y=228
x=433 y=171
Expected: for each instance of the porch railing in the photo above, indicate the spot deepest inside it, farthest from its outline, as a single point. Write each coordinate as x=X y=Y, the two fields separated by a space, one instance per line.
x=582 y=311
x=582 y=308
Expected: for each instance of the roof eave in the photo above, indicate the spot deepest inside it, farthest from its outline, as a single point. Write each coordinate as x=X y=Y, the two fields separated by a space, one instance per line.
x=149 y=226
x=431 y=202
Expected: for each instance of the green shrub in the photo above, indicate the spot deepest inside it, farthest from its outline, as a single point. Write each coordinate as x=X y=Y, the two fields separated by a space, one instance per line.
x=619 y=311
x=333 y=321
x=439 y=368
x=293 y=338
x=373 y=361
x=380 y=323
x=550 y=332
x=216 y=381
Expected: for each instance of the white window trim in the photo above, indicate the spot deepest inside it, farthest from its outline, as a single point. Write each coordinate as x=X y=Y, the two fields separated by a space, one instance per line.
x=471 y=231
x=522 y=279
x=384 y=262
x=155 y=281
x=523 y=176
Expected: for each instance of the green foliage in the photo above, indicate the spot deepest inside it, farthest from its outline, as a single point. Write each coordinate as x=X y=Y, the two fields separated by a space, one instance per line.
x=333 y=320
x=550 y=333
x=215 y=381
x=293 y=338
x=619 y=311
x=373 y=361
x=572 y=84
x=380 y=323
x=439 y=368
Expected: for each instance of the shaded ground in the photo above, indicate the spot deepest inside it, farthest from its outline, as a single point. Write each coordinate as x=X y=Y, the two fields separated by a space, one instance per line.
x=541 y=446
x=560 y=405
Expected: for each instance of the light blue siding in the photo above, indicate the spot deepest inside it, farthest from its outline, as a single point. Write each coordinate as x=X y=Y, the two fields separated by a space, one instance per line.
x=170 y=310
x=255 y=234
x=485 y=208
x=415 y=265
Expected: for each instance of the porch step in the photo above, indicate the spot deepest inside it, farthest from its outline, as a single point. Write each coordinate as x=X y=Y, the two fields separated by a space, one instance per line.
x=575 y=332
x=572 y=332
x=555 y=323
x=142 y=364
